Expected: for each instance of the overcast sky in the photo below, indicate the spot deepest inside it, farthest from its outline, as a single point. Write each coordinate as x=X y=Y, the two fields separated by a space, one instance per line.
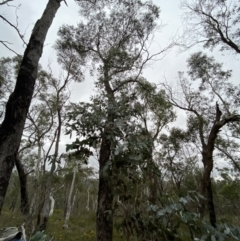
x=30 y=11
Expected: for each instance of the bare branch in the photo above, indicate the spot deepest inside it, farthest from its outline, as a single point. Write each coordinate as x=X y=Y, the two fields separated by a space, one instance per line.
x=229 y=156
x=4 y=43
x=13 y=26
x=5 y=2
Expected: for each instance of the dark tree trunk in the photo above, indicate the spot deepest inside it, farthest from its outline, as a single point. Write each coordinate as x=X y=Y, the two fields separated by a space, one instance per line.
x=19 y=101
x=13 y=203
x=23 y=186
x=153 y=191
x=211 y=209
x=43 y=225
x=6 y=167
x=210 y=204
x=206 y=187
x=207 y=159
x=104 y=224
x=208 y=166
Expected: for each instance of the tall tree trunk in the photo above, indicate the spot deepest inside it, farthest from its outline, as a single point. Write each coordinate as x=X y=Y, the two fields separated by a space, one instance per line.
x=46 y=205
x=88 y=199
x=69 y=201
x=52 y=205
x=206 y=186
x=23 y=186
x=207 y=159
x=211 y=209
x=208 y=166
x=19 y=101
x=206 y=190
x=104 y=222
x=105 y=198
x=153 y=194
x=34 y=204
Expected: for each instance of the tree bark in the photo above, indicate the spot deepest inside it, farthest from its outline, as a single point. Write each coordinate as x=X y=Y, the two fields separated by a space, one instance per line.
x=46 y=206
x=19 y=101
x=23 y=185
x=210 y=204
x=88 y=199
x=211 y=209
x=52 y=205
x=104 y=224
x=207 y=159
x=69 y=201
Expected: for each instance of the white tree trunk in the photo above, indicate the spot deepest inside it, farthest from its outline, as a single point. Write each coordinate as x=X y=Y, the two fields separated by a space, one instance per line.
x=39 y=158
x=52 y=205
x=88 y=199
x=74 y=198
x=69 y=205
x=37 y=167
x=24 y=237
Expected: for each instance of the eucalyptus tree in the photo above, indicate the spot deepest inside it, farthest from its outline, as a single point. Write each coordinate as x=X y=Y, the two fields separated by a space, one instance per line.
x=139 y=176
x=178 y=157
x=39 y=124
x=210 y=108
x=51 y=130
x=213 y=24
x=132 y=154
x=76 y=176
x=89 y=121
x=19 y=101
x=153 y=113
x=114 y=39
x=9 y=71
x=44 y=123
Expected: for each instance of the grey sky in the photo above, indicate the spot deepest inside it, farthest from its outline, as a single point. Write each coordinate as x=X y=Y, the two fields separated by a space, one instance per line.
x=171 y=13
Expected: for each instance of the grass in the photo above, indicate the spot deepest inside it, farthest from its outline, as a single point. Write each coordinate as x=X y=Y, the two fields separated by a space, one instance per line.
x=81 y=227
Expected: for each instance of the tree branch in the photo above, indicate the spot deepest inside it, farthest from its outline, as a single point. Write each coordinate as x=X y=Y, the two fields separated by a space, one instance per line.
x=5 y=2
x=4 y=43
x=229 y=156
x=13 y=26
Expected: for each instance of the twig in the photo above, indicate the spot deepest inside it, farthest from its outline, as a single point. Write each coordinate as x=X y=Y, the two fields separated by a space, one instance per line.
x=4 y=43
x=13 y=26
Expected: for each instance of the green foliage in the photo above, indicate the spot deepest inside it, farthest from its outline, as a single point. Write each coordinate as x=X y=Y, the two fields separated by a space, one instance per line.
x=178 y=213
x=231 y=191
